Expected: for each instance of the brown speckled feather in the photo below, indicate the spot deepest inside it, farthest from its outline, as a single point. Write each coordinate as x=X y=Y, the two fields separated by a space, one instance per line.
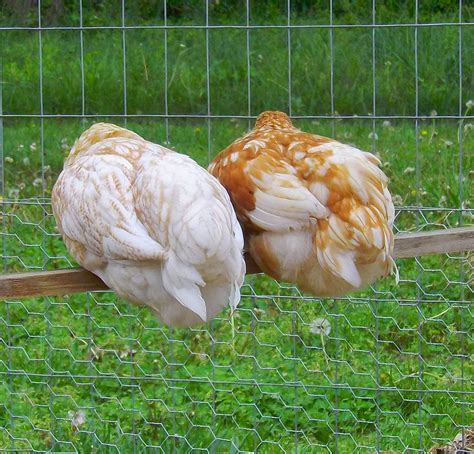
x=315 y=212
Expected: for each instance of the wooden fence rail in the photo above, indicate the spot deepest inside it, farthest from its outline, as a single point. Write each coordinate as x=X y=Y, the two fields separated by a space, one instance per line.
x=73 y=280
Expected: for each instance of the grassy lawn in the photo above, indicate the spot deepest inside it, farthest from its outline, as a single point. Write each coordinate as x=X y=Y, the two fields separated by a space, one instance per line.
x=394 y=372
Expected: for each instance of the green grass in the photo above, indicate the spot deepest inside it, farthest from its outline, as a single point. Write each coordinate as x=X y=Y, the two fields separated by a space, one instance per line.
x=389 y=376
x=438 y=84
x=75 y=352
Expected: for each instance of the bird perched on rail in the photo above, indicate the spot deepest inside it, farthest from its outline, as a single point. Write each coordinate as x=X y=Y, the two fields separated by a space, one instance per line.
x=315 y=212
x=151 y=223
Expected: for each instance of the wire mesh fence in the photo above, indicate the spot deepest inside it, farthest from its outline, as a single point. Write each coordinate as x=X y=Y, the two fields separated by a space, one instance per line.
x=386 y=369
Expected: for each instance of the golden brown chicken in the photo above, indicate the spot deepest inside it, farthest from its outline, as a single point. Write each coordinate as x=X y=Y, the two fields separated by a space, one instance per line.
x=315 y=212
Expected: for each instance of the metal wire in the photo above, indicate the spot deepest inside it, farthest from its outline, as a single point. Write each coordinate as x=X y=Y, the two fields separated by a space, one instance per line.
x=90 y=373
x=250 y=27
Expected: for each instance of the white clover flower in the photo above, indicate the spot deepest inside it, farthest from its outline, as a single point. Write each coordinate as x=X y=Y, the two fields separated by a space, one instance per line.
x=470 y=104
x=373 y=135
x=26 y=161
x=386 y=124
x=33 y=146
x=127 y=352
x=8 y=159
x=397 y=200
x=202 y=356
x=14 y=193
x=320 y=326
x=37 y=182
x=409 y=171
x=78 y=418
x=448 y=143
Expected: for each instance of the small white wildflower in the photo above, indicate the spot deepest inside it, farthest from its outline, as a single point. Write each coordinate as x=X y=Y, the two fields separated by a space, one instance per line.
x=37 y=182
x=397 y=200
x=127 y=353
x=78 y=418
x=423 y=192
x=33 y=146
x=386 y=124
x=46 y=169
x=433 y=113
x=468 y=127
x=448 y=143
x=442 y=201
x=320 y=326
x=373 y=135
x=409 y=170
x=8 y=159
x=22 y=186
x=21 y=146
x=388 y=63
x=26 y=161
x=470 y=104
x=14 y=193
x=202 y=356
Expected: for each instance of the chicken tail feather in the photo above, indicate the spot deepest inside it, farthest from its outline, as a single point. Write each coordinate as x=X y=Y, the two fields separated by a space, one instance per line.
x=183 y=282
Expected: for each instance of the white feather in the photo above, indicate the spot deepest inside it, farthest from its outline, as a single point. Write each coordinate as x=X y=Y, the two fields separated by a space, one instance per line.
x=155 y=226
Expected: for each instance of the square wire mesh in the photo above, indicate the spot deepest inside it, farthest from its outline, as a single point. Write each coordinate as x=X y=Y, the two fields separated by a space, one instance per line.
x=386 y=369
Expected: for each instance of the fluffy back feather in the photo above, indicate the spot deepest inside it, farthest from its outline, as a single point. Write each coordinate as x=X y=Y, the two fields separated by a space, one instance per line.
x=156 y=227
x=322 y=203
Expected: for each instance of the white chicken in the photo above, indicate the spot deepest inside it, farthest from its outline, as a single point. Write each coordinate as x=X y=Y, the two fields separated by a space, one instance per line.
x=151 y=223
x=315 y=212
